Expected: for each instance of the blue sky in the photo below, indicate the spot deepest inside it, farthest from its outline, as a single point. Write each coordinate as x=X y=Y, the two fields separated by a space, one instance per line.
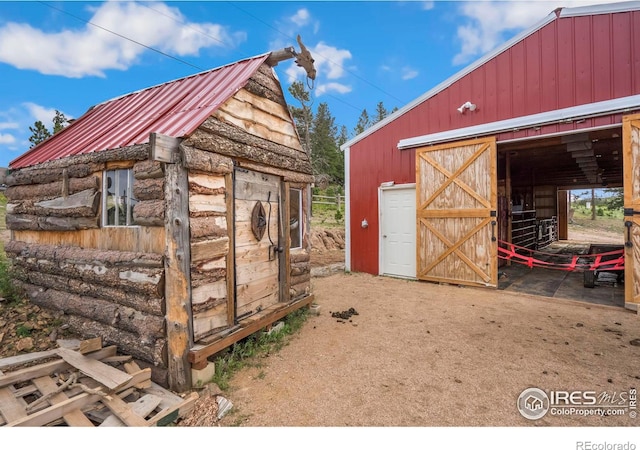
x=70 y=55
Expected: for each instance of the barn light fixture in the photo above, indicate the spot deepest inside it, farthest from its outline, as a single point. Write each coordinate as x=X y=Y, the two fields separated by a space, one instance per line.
x=364 y=224
x=467 y=105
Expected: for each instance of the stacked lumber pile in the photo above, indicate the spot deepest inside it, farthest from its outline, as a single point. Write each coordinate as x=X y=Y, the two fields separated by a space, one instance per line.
x=84 y=387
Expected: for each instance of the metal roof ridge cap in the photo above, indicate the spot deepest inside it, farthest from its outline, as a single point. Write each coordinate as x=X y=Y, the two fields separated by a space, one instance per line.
x=455 y=77
x=603 y=107
x=604 y=8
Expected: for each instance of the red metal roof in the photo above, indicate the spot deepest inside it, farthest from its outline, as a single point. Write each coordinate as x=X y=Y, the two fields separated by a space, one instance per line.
x=175 y=108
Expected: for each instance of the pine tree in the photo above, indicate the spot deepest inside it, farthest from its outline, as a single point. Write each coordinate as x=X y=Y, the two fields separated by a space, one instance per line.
x=59 y=122
x=364 y=122
x=39 y=133
x=302 y=116
x=325 y=155
x=381 y=112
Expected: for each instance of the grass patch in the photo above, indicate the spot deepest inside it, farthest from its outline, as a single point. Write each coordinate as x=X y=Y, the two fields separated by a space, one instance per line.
x=261 y=344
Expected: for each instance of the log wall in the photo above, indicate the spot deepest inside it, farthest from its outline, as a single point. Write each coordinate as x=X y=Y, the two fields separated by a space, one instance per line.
x=108 y=281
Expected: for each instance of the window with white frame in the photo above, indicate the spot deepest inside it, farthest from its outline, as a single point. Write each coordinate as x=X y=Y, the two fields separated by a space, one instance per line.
x=295 y=217
x=118 y=201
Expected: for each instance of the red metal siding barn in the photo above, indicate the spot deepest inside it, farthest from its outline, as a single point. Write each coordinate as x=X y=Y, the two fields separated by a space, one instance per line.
x=576 y=70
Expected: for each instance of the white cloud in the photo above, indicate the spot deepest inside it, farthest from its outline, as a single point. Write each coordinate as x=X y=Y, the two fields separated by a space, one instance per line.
x=332 y=87
x=408 y=73
x=428 y=5
x=90 y=51
x=41 y=113
x=7 y=139
x=488 y=21
x=9 y=125
x=301 y=17
x=330 y=60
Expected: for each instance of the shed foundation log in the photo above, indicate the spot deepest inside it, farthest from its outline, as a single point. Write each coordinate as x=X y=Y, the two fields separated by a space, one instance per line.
x=204 y=161
x=128 y=343
x=148 y=189
x=149 y=213
x=144 y=170
x=143 y=303
x=84 y=256
x=128 y=319
x=50 y=190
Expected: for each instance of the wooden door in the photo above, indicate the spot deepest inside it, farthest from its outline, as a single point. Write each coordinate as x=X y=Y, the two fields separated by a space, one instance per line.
x=257 y=258
x=456 y=198
x=631 y=160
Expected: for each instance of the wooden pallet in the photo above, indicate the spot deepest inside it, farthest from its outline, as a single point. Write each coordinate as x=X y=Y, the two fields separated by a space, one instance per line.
x=84 y=388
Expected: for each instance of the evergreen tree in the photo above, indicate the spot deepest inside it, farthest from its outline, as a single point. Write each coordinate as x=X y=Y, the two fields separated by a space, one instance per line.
x=302 y=116
x=364 y=122
x=59 y=122
x=325 y=154
x=39 y=133
x=343 y=137
x=381 y=112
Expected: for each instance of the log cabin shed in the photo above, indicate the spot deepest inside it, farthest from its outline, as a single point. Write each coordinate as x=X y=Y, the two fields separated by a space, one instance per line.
x=172 y=221
x=433 y=188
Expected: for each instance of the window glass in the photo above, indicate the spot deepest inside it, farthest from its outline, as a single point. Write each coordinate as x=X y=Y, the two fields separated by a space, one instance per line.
x=118 y=201
x=295 y=217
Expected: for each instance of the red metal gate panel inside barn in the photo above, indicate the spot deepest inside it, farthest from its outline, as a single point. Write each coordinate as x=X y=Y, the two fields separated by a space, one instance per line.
x=256 y=256
x=631 y=151
x=456 y=198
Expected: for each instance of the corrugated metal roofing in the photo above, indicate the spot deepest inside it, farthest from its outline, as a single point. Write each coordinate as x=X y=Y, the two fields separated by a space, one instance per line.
x=175 y=108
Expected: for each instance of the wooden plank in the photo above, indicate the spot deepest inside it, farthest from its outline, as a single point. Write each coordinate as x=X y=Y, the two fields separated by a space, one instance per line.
x=10 y=408
x=631 y=164
x=49 y=368
x=57 y=411
x=124 y=412
x=73 y=418
x=163 y=148
x=248 y=273
x=210 y=249
x=231 y=257
x=129 y=239
x=141 y=407
x=178 y=277
x=172 y=413
x=286 y=174
x=285 y=259
x=90 y=345
x=207 y=203
x=108 y=376
x=18 y=360
x=200 y=353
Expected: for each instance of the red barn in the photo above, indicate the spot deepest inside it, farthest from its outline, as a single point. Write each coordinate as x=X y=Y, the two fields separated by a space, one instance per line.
x=432 y=188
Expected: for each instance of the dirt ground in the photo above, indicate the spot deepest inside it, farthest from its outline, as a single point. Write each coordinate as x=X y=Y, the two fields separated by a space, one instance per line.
x=422 y=354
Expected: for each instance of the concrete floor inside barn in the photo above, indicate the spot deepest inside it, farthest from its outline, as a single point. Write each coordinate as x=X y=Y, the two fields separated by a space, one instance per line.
x=562 y=284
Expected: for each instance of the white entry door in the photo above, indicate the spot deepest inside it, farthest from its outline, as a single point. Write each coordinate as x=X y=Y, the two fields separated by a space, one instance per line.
x=398 y=231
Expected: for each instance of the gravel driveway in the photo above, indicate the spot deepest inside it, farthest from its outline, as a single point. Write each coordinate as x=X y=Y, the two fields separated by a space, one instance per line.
x=422 y=354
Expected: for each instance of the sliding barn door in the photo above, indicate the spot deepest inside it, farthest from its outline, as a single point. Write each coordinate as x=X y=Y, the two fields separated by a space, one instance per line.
x=456 y=213
x=631 y=152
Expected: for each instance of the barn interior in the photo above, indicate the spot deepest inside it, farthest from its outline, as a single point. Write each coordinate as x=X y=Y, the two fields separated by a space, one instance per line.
x=535 y=177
